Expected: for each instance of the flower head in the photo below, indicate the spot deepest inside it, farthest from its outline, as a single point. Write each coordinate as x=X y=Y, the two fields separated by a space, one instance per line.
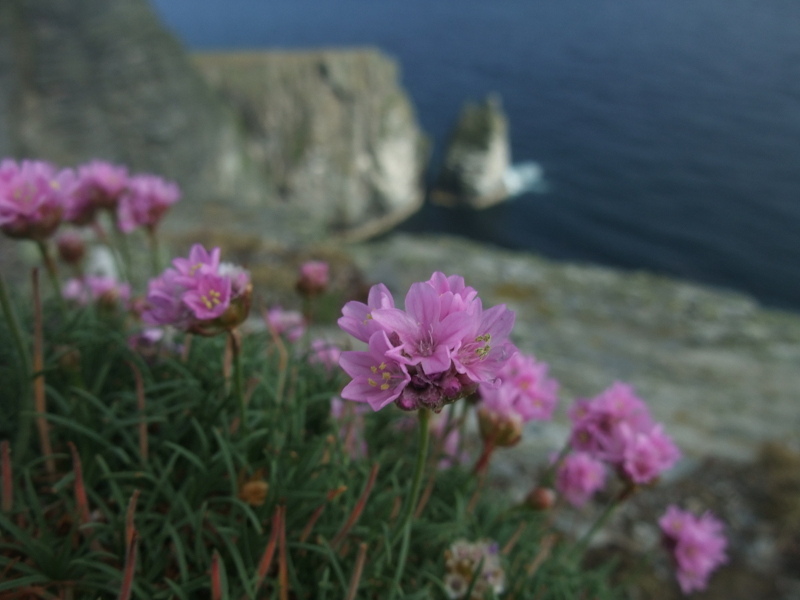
x=71 y=247
x=286 y=322
x=199 y=294
x=32 y=198
x=145 y=202
x=445 y=341
x=99 y=185
x=524 y=393
x=105 y=291
x=462 y=561
x=579 y=476
x=697 y=545
x=314 y=278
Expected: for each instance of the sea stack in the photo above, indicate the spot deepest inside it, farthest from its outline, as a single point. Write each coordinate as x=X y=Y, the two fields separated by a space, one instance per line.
x=478 y=155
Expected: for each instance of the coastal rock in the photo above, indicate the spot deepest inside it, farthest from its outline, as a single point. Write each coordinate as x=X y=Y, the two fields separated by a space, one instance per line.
x=331 y=132
x=477 y=158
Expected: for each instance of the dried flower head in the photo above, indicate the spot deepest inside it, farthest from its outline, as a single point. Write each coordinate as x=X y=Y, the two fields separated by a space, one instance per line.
x=462 y=561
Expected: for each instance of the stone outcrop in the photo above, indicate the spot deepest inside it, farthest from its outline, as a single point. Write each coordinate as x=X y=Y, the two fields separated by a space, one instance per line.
x=477 y=157
x=331 y=132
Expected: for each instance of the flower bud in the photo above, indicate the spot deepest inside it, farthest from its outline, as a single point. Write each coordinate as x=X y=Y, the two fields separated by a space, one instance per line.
x=71 y=248
x=498 y=429
x=541 y=498
x=313 y=278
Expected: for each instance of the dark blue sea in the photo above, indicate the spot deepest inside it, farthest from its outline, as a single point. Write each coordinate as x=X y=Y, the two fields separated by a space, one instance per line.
x=669 y=130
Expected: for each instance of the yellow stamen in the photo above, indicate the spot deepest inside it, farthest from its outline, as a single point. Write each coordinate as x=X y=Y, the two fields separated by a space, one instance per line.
x=387 y=376
x=371 y=382
x=385 y=387
x=374 y=369
x=382 y=366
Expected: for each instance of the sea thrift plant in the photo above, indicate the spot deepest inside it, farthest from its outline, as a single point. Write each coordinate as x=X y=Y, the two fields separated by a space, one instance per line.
x=99 y=186
x=199 y=294
x=33 y=195
x=436 y=351
x=146 y=200
x=525 y=393
x=697 y=545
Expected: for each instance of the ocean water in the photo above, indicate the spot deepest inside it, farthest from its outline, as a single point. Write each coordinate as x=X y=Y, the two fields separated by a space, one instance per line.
x=669 y=130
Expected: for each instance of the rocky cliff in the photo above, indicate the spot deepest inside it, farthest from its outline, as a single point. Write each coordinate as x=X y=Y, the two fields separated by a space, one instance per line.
x=331 y=132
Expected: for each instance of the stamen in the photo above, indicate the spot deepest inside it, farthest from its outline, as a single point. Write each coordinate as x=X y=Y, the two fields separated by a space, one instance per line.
x=385 y=387
x=372 y=382
x=387 y=375
x=382 y=366
x=374 y=369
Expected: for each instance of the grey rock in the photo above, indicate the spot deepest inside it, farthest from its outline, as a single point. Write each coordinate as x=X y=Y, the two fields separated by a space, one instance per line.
x=477 y=157
x=331 y=132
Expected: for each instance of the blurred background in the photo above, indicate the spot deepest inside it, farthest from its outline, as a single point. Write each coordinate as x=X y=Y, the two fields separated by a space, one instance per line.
x=668 y=133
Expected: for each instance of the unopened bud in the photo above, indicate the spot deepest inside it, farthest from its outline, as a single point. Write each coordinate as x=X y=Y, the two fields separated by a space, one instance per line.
x=541 y=498
x=313 y=278
x=499 y=430
x=71 y=248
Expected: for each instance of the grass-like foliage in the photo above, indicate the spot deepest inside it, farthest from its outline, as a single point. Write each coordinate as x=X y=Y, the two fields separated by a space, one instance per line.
x=154 y=490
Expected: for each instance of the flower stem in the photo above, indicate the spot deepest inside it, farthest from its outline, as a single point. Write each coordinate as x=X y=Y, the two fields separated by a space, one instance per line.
x=237 y=379
x=155 y=257
x=26 y=414
x=50 y=265
x=422 y=455
x=583 y=543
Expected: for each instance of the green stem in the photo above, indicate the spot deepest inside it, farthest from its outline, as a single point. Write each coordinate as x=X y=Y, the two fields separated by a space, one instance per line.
x=50 y=266
x=155 y=258
x=416 y=482
x=26 y=415
x=583 y=543
x=238 y=380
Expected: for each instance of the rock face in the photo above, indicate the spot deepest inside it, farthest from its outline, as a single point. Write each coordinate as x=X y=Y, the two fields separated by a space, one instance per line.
x=330 y=131
x=477 y=157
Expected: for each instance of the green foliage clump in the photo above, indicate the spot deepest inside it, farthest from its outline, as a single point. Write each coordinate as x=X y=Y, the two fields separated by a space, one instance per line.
x=278 y=509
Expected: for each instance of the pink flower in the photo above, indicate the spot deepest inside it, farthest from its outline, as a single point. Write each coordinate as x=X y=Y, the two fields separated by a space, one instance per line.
x=598 y=424
x=377 y=379
x=697 y=545
x=324 y=353
x=106 y=291
x=579 y=477
x=524 y=393
x=199 y=295
x=146 y=200
x=99 y=186
x=286 y=322
x=351 y=431
x=357 y=317
x=313 y=278
x=647 y=454
x=445 y=340
x=32 y=198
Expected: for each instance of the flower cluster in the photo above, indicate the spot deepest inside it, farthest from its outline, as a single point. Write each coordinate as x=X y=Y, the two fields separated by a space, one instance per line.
x=99 y=186
x=144 y=203
x=286 y=322
x=697 y=546
x=35 y=196
x=525 y=393
x=436 y=351
x=579 y=477
x=313 y=278
x=103 y=290
x=200 y=294
x=616 y=427
x=463 y=559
